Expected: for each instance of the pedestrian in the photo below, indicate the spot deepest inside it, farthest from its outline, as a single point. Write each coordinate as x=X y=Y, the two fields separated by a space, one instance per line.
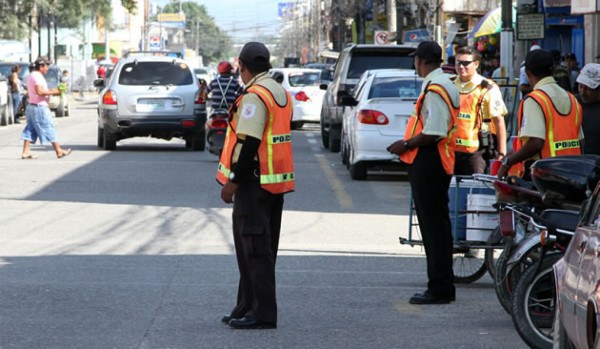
x=574 y=69
x=67 y=80
x=101 y=72
x=449 y=67
x=15 y=89
x=588 y=83
x=480 y=128
x=524 y=86
x=256 y=168
x=561 y=72
x=39 y=117
x=428 y=148
x=549 y=119
x=224 y=89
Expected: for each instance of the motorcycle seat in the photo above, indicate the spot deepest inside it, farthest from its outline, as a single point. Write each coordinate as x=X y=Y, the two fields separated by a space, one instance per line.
x=561 y=219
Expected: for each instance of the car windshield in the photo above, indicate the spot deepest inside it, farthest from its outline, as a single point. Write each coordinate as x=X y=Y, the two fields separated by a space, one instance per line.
x=5 y=70
x=403 y=87
x=362 y=61
x=200 y=71
x=304 y=79
x=155 y=73
x=53 y=77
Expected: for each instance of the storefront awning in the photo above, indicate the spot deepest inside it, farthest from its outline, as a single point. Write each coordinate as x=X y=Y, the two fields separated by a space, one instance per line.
x=490 y=24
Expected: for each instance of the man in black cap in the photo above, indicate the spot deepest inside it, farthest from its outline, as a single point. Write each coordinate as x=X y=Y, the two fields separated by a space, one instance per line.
x=428 y=146
x=549 y=119
x=256 y=166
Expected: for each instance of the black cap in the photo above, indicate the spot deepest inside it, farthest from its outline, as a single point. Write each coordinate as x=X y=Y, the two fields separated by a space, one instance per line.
x=42 y=60
x=539 y=62
x=256 y=55
x=430 y=51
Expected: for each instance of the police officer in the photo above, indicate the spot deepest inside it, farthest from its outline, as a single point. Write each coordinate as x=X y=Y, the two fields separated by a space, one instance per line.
x=481 y=132
x=428 y=146
x=549 y=119
x=256 y=166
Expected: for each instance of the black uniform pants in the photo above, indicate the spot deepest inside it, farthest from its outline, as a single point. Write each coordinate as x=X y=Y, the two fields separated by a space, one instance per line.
x=429 y=183
x=256 y=227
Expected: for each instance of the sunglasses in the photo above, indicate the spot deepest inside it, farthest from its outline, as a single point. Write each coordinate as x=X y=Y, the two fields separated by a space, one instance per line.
x=463 y=63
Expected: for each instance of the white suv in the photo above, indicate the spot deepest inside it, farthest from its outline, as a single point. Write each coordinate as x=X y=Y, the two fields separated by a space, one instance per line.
x=156 y=96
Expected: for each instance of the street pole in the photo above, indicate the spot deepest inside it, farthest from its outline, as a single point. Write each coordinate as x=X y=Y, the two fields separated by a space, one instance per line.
x=506 y=40
x=391 y=19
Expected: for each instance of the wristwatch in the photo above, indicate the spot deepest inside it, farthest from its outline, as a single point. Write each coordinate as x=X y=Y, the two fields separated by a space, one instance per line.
x=505 y=161
x=406 y=145
x=232 y=176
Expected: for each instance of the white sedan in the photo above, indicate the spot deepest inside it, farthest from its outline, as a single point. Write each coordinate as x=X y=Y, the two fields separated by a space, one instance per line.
x=376 y=116
x=307 y=97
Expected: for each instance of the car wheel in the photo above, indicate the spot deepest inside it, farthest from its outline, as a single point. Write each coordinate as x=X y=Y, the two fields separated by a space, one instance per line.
x=358 y=171
x=60 y=110
x=324 y=136
x=68 y=109
x=100 y=137
x=199 y=141
x=334 y=140
x=4 y=118
x=109 y=141
x=344 y=150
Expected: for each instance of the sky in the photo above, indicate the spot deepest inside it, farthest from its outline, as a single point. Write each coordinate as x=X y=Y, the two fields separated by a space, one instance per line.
x=241 y=19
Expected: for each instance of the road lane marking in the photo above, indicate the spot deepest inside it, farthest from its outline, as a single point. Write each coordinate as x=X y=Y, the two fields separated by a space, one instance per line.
x=407 y=308
x=341 y=194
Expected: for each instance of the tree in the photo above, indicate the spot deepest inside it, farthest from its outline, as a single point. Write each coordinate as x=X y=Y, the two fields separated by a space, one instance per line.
x=68 y=13
x=202 y=33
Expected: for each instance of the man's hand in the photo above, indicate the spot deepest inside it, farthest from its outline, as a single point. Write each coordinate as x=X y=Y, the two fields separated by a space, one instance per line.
x=228 y=191
x=502 y=172
x=397 y=147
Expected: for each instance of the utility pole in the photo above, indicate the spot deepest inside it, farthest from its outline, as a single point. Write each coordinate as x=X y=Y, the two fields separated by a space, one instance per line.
x=146 y=20
x=391 y=19
x=507 y=39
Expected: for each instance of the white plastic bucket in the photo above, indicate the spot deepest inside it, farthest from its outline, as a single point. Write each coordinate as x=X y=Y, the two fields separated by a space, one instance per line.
x=481 y=219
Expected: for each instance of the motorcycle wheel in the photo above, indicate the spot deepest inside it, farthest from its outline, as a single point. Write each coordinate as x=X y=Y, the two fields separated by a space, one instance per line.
x=504 y=284
x=468 y=266
x=533 y=304
x=495 y=239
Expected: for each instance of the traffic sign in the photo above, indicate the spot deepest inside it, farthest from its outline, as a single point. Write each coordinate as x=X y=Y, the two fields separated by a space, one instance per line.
x=381 y=37
x=154 y=42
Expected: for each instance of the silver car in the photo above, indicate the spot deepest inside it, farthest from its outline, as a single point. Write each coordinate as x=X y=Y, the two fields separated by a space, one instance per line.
x=156 y=96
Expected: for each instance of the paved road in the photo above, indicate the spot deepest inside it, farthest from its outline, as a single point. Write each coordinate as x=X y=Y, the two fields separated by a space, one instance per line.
x=133 y=249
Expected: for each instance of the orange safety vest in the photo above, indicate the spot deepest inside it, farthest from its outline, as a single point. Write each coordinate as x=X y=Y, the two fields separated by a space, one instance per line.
x=275 y=150
x=415 y=127
x=561 y=137
x=469 y=120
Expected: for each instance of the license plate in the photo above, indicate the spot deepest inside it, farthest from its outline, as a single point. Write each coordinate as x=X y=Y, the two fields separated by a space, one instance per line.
x=150 y=104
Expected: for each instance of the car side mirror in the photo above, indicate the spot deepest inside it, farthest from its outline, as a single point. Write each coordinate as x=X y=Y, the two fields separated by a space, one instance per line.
x=348 y=101
x=99 y=83
x=323 y=86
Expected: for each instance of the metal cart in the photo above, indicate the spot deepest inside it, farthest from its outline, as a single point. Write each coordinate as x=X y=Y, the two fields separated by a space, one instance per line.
x=472 y=258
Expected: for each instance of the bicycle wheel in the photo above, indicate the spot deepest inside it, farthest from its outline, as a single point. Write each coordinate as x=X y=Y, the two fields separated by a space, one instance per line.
x=468 y=266
x=495 y=239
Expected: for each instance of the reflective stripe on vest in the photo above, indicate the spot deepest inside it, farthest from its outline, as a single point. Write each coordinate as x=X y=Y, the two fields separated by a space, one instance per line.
x=415 y=127
x=467 y=127
x=275 y=150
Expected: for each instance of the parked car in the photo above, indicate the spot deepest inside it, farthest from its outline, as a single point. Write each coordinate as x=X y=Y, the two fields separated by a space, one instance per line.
x=58 y=104
x=5 y=70
x=377 y=114
x=352 y=62
x=307 y=97
x=204 y=74
x=6 y=106
x=577 y=280
x=156 y=96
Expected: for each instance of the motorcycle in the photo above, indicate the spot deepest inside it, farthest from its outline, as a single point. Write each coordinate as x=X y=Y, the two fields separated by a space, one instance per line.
x=216 y=129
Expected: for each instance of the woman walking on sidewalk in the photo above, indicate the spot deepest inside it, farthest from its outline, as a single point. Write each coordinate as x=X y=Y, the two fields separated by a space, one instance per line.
x=39 y=117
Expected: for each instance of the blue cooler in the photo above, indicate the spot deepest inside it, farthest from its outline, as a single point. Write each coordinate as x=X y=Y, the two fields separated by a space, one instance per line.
x=458 y=203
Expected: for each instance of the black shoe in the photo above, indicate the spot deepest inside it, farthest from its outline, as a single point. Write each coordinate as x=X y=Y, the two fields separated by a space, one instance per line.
x=225 y=319
x=428 y=298
x=250 y=322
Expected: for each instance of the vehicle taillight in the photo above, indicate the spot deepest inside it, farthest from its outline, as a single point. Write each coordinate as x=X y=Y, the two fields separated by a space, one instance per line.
x=507 y=223
x=110 y=97
x=188 y=123
x=373 y=117
x=301 y=96
x=217 y=123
